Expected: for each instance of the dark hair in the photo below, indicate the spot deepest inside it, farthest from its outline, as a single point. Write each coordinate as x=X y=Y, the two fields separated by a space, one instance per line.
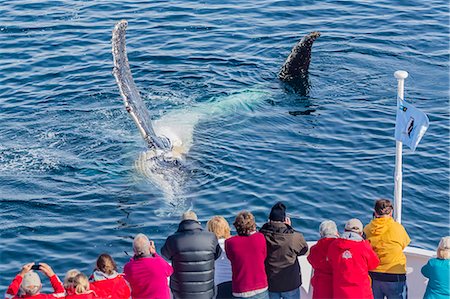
x=383 y=207
x=106 y=264
x=244 y=223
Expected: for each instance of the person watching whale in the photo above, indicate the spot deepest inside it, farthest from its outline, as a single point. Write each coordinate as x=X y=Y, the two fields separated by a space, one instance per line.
x=388 y=238
x=27 y=283
x=192 y=251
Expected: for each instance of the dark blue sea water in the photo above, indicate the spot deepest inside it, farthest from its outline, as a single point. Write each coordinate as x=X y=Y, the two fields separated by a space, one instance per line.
x=68 y=187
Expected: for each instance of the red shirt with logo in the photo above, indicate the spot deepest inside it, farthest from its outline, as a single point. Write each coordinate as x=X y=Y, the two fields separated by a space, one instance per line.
x=350 y=262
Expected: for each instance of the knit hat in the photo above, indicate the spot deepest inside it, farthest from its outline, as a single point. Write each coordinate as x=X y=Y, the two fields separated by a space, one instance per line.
x=278 y=212
x=354 y=225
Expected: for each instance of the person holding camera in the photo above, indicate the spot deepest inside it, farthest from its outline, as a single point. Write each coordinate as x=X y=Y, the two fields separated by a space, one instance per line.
x=27 y=283
x=284 y=246
x=147 y=272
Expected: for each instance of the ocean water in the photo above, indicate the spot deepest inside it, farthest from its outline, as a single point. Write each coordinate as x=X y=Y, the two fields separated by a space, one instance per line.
x=69 y=189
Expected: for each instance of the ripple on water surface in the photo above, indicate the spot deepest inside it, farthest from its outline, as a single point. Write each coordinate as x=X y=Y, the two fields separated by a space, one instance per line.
x=69 y=190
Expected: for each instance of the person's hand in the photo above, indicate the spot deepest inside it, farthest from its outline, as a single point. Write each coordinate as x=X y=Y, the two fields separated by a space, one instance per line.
x=287 y=221
x=152 y=248
x=46 y=269
x=25 y=269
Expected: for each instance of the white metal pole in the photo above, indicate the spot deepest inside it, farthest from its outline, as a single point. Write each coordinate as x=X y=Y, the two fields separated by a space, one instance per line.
x=400 y=76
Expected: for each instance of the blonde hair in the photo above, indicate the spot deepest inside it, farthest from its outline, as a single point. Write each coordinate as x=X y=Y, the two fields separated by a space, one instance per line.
x=106 y=264
x=443 y=251
x=219 y=226
x=69 y=279
x=81 y=284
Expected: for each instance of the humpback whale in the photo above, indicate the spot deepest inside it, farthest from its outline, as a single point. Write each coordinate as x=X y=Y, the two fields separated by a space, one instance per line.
x=169 y=138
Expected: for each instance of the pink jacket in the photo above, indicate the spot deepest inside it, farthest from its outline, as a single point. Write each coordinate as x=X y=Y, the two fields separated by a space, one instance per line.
x=147 y=277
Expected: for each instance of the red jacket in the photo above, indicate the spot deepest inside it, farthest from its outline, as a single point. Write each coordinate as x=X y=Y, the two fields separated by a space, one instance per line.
x=148 y=277
x=350 y=262
x=58 y=289
x=113 y=288
x=322 y=281
x=82 y=296
x=247 y=255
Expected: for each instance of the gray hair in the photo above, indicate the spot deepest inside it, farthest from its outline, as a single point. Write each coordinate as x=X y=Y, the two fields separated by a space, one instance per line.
x=328 y=229
x=31 y=284
x=443 y=251
x=189 y=215
x=141 y=245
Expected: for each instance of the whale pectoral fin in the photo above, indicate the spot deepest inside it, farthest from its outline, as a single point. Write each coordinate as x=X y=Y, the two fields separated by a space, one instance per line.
x=130 y=94
x=297 y=64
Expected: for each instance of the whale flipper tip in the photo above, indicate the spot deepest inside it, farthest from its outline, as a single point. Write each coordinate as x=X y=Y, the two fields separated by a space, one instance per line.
x=296 y=65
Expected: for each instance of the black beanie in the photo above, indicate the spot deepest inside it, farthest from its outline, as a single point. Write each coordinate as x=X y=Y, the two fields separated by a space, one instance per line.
x=278 y=212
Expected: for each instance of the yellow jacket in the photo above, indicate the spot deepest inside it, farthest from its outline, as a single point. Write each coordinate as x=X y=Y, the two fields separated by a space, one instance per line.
x=388 y=239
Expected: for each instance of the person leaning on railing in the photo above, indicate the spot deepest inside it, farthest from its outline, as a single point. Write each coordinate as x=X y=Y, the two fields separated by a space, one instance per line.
x=437 y=270
x=27 y=283
x=388 y=238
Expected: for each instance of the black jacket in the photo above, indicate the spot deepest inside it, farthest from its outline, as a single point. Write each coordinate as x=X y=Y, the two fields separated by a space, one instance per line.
x=284 y=245
x=192 y=252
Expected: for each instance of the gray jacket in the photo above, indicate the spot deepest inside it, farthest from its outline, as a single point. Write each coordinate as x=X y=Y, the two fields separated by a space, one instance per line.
x=192 y=252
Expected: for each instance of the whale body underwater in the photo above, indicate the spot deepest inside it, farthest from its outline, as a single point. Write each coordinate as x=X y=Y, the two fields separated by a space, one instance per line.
x=169 y=138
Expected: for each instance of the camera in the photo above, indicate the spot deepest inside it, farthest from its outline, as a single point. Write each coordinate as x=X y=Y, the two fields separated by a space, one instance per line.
x=35 y=267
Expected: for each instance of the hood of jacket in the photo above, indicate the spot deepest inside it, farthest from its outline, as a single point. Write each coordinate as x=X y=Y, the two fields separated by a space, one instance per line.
x=99 y=275
x=189 y=225
x=379 y=226
x=352 y=236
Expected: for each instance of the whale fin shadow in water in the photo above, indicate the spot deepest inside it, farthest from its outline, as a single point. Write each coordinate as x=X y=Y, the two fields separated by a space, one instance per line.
x=295 y=69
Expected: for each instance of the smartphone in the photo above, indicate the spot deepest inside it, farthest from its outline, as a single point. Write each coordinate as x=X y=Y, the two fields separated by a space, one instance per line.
x=35 y=267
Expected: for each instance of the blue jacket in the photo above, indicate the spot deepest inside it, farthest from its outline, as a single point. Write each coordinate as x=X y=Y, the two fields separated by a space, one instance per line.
x=438 y=273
